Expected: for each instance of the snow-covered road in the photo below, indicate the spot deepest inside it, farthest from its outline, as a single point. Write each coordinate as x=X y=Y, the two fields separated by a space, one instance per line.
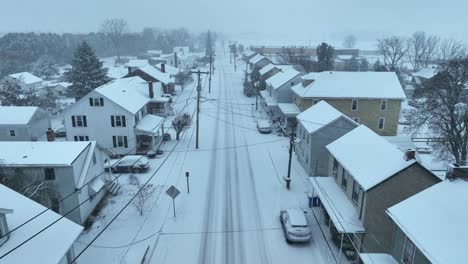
x=236 y=193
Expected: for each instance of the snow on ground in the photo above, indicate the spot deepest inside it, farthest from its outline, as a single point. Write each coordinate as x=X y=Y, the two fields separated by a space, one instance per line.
x=236 y=193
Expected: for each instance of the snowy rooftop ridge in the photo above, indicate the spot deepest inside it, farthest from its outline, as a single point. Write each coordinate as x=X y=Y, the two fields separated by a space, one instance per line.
x=320 y=115
x=16 y=115
x=137 y=63
x=426 y=73
x=49 y=246
x=368 y=157
x=163 y=77
x=379 y=85
x=440 y=231
x=279 y=79
x=26 y=77
x=257 y=58
x=248 y=53
x=271 y=66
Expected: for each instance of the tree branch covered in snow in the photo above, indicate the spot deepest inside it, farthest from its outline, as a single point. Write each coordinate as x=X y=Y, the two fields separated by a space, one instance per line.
x=394 y=50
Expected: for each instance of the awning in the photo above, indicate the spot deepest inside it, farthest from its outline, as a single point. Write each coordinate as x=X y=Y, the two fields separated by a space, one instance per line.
x=377 y=259
x=150 y=124
x=289 y=110
x=340 y=209
x=96 y=186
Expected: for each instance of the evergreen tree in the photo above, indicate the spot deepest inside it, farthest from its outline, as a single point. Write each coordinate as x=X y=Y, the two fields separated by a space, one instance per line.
x=86 y=73
x=325 y=56
x=45 y=67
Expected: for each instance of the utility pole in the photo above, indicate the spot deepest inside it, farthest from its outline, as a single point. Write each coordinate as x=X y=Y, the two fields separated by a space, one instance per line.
x=211 y=63
x=291 y=147
x=235 y=56
x=199 y=88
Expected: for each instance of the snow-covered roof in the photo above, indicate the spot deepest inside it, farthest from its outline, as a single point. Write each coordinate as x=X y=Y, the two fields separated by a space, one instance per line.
x=40 y=153
x=130 y=93
x=403 y=142
x=271 y=66
x=270 y=101
x=169 y=69
x=137 y=63
x=16 y=115
x=163 y=77
x=353 y=85
x=435 y=221
x=320 y=115
x=377 y=258
x=26 y=77
x=257 y=58
x=343 y=214
x=368 y=157
x=248 y=53
x=150 y=123
x=310 y=76
x=155 y=52
x=64 y=84
x=426 y=73
x=289 y=109
x=279 y=79
x=50 y=246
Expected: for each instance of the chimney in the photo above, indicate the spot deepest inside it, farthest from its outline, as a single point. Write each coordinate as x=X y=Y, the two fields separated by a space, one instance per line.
x=175 y=59
x=455 y=171
x=410 y=154
x=163 y=67
x=150 y=89
x=4 y=225
x=50 y=135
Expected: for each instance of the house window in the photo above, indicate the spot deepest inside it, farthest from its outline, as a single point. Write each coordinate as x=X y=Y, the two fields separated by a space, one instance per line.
x=12 y=133
x=408 y=252
x=79 y=121
x=355 y=195
x=118 y=121
x=49 y=174
x=356 y=119
x=120 y=141
x=81 y=138
x=344 y=179
x=383 y=105
x=354 y=104
x=381 y=124
x=96 y=101
x=335 y=167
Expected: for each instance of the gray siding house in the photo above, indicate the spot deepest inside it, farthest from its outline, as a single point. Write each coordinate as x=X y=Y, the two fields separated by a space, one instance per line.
x=23 y=123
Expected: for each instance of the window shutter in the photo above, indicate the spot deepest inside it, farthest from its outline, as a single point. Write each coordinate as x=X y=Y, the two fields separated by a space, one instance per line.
x=91 y=103
x=124 y=123
x=112 y=121
x=114 y=141
x=101 y=100
x=125 y=142
x=73 y=121
x=84 y=121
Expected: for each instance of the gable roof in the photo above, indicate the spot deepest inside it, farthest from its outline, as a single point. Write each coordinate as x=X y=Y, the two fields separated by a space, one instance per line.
x=16 y=115
x=277 y=80
x=271 y=66
x=257 y=58
x=137 y=63
x=130 y=93
x=50 y=246
x=248 y=53
x=378 y=85
x=320 y=115
x=26 y=77
x=426 y=73
x=163 y=77
x=435 y=221
x=368 y=157
x=40 y=153
x=169 y=69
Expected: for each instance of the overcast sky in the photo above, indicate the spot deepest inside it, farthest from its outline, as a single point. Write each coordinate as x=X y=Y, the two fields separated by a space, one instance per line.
x=281 y=21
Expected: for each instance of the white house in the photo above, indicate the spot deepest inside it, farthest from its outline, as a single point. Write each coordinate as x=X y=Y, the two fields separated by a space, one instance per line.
x=52 y=246
x=69 y=166
x=135 y=64
x=152 y=74
x=116 y=116
x=259 y=61
x=26 y=80
x=23 y=123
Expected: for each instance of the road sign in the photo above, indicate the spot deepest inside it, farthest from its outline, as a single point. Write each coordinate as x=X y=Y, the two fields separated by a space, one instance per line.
x=173 y=192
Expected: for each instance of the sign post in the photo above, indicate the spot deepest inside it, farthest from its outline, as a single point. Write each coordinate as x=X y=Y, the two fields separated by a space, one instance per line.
x=173 y=192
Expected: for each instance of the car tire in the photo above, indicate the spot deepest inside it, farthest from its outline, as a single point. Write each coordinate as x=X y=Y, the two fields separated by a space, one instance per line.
x=136 y=170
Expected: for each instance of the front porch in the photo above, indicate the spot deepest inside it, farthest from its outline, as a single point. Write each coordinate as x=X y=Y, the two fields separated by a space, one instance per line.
x=287 y=116
x=149 y=134
x=160 y=106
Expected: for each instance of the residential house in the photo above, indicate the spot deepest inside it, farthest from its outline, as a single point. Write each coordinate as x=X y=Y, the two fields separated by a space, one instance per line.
x=317 y=127
x=423 y=75
x=69 y=166
x=258 y=61
x=247 y=55
x=132 y=65
x=367 y=175
x=151 y=74
x=25 y=218
x=370 y=98
x=287 y=113
x=23 y=123
x=26 y=80
x=271 y=69
x=116 y=115
x=60 y=88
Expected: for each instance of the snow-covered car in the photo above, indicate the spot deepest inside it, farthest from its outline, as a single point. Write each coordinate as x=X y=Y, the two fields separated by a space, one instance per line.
x=60 y=132
x=131 y=163
x=295 y=225
x=424 y=149
x=264 y=126
x=168 y=96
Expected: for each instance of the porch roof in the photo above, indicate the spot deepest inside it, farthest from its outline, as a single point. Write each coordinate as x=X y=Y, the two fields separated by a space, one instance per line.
x=342 y=213
x=290 y=109
x=268 y=99
x=150 y=124
x=376 y=258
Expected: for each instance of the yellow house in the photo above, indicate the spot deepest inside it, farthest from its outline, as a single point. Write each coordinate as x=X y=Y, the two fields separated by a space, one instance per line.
x=369 y=98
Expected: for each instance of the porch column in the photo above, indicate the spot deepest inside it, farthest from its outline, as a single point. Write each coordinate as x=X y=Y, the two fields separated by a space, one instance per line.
x=341 y=248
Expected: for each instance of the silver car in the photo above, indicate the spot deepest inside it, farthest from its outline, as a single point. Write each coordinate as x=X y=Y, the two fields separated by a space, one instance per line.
x=295 y=225
x=264 y=126
x=131 y=163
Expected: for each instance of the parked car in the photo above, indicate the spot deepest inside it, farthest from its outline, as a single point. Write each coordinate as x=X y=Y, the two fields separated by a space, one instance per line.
x=131 y=163
x=424 y=150
x=168 y=96
x=264 y=126
x=60 y=132
x=295 y=225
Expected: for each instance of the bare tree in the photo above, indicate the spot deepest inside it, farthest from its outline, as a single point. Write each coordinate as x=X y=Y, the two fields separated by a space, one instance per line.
x=441 y=106
x=349 y=41
x=394 y=50
x=144 y=195
x=115 y=28
x=180 y=123
x=422 y=49
x=450 y=49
